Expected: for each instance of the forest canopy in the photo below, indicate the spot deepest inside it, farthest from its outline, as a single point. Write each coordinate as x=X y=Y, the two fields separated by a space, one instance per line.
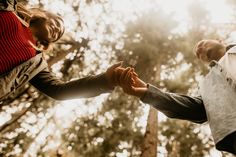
x=157 y=39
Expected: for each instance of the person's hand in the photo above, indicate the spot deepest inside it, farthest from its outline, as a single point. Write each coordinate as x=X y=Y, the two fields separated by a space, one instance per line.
x=131 y=84
x=113 y=73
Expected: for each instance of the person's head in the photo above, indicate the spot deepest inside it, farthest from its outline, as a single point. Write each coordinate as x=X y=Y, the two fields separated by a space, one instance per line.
x=46 y=27
x=208 y=50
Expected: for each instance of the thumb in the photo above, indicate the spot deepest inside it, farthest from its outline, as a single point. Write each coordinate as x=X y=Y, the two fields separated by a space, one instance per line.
x=116 y=65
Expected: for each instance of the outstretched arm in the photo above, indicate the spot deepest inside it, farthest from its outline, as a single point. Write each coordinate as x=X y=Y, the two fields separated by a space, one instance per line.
x=172 y=105
x=176 y=105
x=86 y=87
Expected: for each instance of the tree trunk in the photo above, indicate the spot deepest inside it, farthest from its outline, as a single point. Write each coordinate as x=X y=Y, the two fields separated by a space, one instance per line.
x=149 y=145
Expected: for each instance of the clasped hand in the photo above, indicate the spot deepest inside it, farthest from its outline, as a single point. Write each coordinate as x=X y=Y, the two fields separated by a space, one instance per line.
x=127 y=79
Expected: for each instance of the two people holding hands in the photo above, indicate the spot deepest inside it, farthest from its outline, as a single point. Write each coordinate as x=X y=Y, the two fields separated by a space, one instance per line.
x=35 y=29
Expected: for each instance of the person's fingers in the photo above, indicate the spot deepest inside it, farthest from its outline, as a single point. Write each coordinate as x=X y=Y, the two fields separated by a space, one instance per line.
x=140 y=82
x=128 y=77
x=119 y=70
x=117 y=74
x=116 y=65
x=123 y=74
x=110 y=74
x=134 y=73
x=133 y=81
x=121 y=78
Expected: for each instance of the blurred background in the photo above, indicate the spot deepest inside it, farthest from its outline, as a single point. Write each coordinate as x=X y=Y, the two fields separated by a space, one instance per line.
x=156 y=37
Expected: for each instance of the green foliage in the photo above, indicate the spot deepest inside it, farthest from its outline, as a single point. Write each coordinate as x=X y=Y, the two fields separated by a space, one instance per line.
x=112 y=130
x=149 y=44
x=181 y=138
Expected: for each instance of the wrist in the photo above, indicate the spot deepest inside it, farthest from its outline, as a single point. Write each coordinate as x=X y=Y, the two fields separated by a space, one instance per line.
x=145 y=91
x=109 y=82
x=141 y=92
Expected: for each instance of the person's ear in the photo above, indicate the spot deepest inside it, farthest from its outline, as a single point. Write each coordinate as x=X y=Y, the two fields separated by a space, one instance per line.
x=43 y=45
x=40 y=47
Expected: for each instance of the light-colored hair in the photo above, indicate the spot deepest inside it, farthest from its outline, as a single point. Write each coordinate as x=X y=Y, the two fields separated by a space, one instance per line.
x=211 y=49
x=197 y=48
x=34 y=15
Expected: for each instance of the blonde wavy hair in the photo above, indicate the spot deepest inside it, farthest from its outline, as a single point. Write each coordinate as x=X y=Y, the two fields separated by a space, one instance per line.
x=35 y=16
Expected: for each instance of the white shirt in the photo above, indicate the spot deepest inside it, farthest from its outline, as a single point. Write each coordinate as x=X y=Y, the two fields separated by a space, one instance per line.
x=228 y=62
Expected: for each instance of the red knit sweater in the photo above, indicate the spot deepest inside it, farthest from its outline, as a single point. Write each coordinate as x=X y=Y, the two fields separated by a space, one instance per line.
x=14 y=42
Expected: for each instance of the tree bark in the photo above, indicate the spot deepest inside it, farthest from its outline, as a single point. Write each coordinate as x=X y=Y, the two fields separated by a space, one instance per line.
x=149 y=145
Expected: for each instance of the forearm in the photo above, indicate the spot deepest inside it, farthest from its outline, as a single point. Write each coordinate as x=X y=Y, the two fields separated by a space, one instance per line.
x=176 y=105
x=81 y=88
